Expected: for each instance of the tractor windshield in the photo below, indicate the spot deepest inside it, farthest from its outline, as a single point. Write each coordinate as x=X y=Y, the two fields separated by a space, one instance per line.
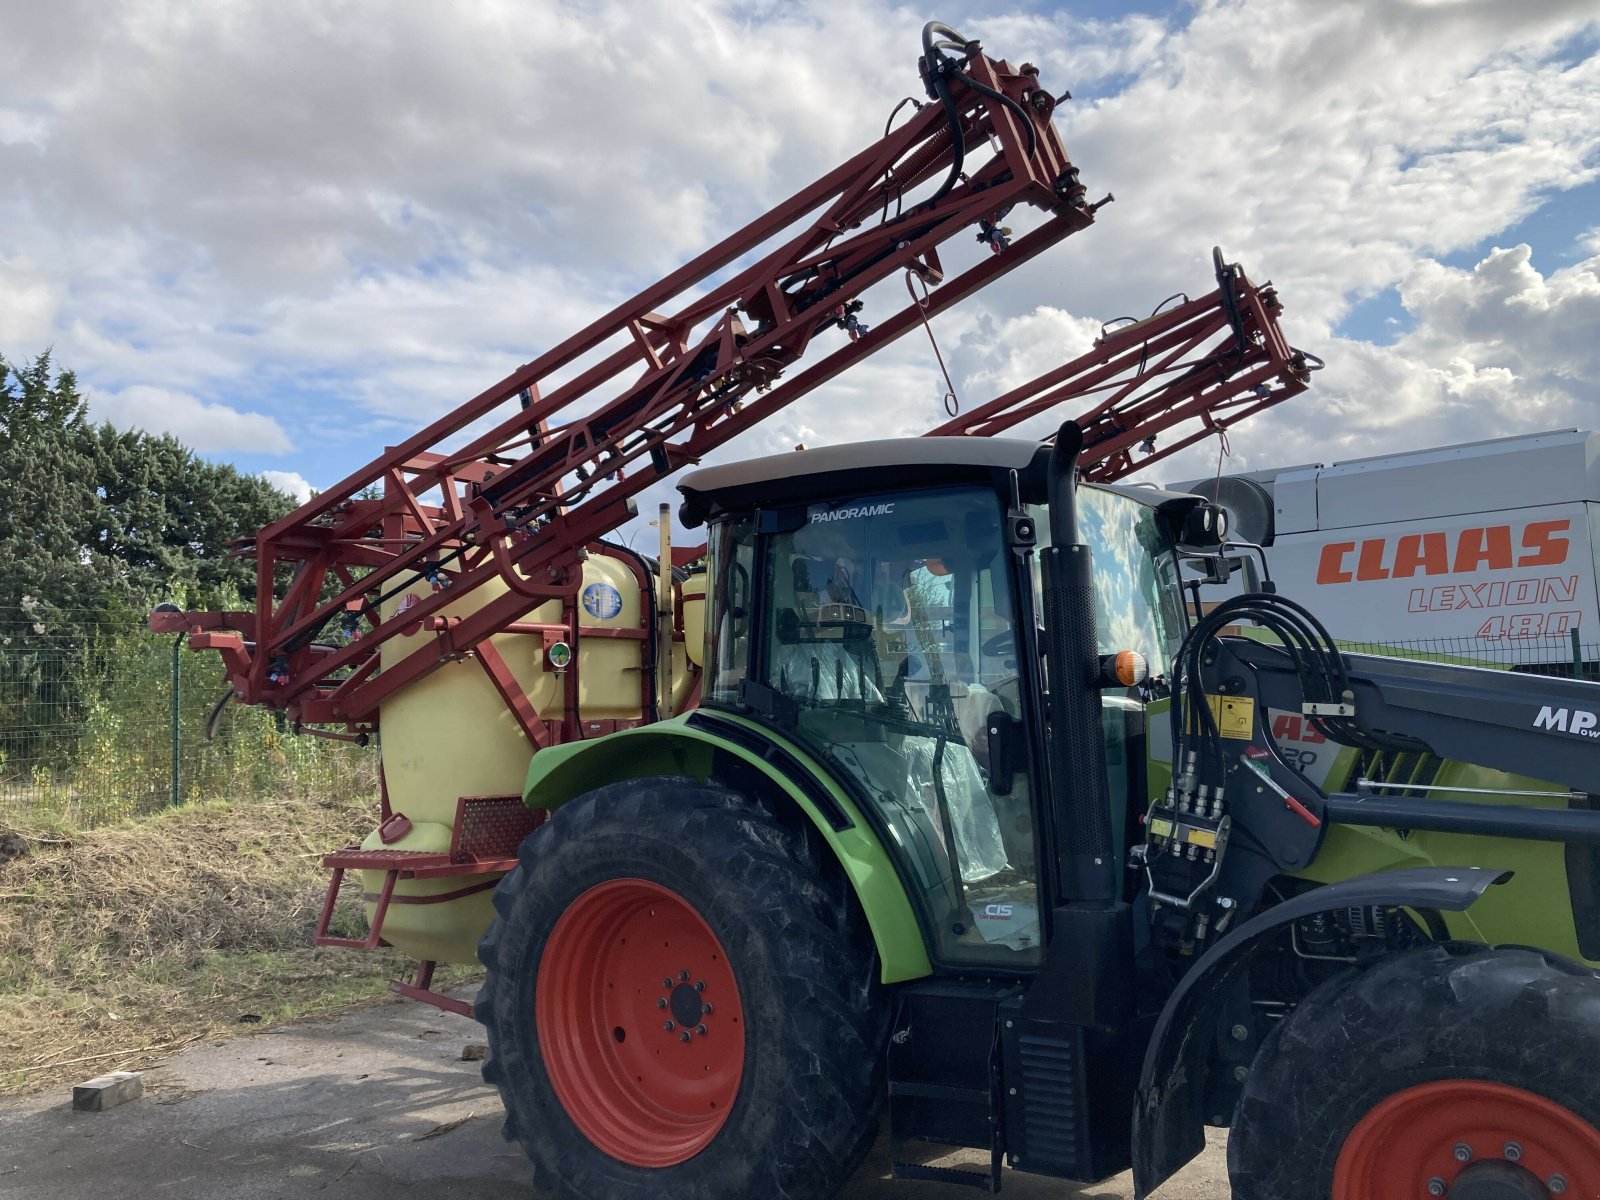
x=1138 y=605
x=887 y=620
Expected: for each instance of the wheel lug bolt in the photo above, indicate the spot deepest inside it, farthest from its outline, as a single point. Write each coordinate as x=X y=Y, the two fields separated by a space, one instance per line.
x=666 y=983
x=683 y=977
x=700 y=1029
x=1513 y=1151
x=684 y=1036
x=661 y=1003
x=706 y=1009
x=670 y=1026
x=699 y=985
x=1557 y=1184
x=1463 y=1152
x=1437 y=1187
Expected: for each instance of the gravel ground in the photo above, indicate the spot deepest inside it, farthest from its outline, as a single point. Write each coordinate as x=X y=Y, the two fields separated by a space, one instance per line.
x=375 y=1105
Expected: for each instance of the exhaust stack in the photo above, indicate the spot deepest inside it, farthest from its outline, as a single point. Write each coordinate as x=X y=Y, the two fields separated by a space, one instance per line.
x=1086 y=867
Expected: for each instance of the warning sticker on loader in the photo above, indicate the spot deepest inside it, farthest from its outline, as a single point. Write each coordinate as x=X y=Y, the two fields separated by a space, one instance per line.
x=1235 y=715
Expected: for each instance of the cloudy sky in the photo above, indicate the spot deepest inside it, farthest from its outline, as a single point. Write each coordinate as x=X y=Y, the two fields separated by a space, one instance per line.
x=292 y=231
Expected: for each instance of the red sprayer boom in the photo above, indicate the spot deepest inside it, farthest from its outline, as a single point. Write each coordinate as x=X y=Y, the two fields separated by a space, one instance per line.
x=654 y=389
x=575 y=435
x=1203 y=365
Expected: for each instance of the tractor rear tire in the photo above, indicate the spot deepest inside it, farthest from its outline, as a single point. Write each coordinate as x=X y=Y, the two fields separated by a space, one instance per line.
x=682 y=1000
x=1453 y=1069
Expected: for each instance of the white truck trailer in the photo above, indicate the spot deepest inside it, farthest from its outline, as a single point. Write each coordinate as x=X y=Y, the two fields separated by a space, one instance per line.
x=1485 y=550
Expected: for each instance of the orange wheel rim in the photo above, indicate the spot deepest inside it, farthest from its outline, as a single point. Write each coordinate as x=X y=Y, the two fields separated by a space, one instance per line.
x=640 y=1024
x=1437 y=1138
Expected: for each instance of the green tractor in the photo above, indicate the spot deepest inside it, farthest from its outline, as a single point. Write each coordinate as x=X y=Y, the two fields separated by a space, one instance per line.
x=981 y=826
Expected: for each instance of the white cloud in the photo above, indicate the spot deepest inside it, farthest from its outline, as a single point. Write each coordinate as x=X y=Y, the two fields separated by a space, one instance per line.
x=1008 y=354
x=1496 y=350
x=195 y=423
x=290 y=482
x=1331 y=146
x=386 y=208
x=29 y=302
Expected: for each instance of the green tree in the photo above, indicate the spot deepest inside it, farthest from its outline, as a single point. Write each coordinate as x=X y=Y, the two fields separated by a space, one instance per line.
x=48 y=576
x=167 y=518
x=97 y=523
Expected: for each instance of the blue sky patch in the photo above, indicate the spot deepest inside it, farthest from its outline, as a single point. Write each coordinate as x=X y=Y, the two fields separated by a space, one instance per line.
x=1380 y=319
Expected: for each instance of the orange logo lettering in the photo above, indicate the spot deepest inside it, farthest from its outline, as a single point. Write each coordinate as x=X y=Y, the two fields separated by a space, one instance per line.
x=1478 y=548
x=1330 y=568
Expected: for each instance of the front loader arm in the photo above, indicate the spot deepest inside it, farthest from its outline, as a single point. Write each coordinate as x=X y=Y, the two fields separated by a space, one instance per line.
x=1232 y=848
x=1531 y=725
x=1240 y=811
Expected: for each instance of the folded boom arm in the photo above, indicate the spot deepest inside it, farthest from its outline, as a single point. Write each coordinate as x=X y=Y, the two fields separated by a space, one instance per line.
x=652 y=388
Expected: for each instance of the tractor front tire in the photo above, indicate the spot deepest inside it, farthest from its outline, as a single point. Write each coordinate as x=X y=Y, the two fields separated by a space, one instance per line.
x=681 y=1000
x=1453 y=1069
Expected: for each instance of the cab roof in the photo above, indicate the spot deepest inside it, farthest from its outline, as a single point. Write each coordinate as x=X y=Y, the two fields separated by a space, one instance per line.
x=880 y=465
x=885 y=464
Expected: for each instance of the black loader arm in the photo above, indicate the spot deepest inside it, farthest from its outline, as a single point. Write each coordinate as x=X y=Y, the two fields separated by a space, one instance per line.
x=1533 y=725
x=1239 y=815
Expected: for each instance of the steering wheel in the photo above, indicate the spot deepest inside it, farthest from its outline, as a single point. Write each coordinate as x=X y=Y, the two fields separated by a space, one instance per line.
x=998 y=644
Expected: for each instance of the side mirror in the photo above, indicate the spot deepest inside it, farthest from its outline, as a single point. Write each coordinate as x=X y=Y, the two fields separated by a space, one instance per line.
x=1212 y=569
x=1194 y=524
x=1252 y=577
x=1204 y=525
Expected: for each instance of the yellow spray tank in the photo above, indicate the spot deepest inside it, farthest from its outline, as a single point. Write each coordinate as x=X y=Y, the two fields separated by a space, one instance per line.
x=451 y=735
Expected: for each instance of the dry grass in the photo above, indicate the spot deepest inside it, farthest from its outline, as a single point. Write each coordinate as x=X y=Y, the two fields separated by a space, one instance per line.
x=120 y=944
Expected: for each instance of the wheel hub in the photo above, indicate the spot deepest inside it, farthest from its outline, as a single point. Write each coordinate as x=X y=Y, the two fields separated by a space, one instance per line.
x=1498 y=1181
x=1468 y=1139
x=687 y=1004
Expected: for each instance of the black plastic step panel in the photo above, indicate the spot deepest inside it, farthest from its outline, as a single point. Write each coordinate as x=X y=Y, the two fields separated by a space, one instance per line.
x=944 y=1077
x=1068 y=1095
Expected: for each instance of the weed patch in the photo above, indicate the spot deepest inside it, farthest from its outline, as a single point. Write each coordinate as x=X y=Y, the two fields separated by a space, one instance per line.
x=120 y=944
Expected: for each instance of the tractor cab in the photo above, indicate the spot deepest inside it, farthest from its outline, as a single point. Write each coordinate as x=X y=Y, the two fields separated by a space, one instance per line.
x=880 y=605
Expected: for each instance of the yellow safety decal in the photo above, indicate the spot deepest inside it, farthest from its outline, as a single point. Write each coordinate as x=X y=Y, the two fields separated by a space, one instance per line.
x=1161 y=828
x=1201 y=837
x=1235 y=715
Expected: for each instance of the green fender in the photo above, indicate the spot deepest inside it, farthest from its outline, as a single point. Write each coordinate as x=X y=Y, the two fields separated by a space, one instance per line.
x=674 y=747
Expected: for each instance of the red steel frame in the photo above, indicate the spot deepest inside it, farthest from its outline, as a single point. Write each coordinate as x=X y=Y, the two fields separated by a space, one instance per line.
x=519 y=502
x=1150 y=377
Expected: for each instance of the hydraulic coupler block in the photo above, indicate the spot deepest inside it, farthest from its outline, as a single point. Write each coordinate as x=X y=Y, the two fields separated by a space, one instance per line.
x=1183 y=849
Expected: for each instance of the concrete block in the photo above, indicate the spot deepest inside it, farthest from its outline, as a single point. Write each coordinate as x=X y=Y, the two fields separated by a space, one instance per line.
x=107 y=1091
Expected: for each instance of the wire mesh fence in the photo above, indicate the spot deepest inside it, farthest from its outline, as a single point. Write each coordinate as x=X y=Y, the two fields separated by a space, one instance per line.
x=87 y=731
x=88 y=736
x=1569 y=657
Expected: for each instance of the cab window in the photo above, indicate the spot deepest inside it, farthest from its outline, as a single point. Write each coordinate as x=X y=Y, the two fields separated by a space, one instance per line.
x=889 y=623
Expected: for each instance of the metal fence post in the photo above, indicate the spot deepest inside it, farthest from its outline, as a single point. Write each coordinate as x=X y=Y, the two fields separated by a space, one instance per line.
x=1577 y=655
x=177 y=707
